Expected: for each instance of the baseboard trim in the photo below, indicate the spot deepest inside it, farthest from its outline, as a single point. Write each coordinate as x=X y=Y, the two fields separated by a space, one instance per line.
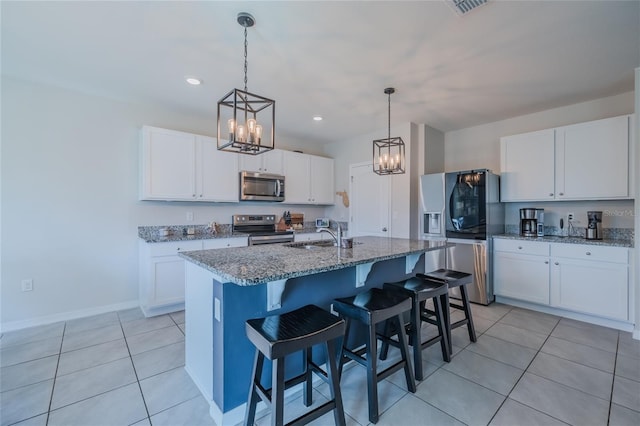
x=66 y=316
x=605 y=322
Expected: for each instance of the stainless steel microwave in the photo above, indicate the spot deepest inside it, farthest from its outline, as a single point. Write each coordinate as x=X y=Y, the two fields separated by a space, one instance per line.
x=256 y=186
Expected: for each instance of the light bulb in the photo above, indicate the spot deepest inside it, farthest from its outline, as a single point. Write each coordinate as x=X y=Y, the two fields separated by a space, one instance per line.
x=231 y=125
x=258 y=133
x=251 y=125
x=241 y=133
x=251 y=129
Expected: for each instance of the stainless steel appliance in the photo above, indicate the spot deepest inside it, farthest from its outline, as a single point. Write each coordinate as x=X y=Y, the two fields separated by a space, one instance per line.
x=432 y=218
x=256 y=186
x=529 y=222
x=594 y=225
x=473 y=213
x=261 y=229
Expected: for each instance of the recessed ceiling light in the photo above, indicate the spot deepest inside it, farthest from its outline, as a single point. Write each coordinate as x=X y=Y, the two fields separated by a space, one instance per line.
x=317 y=118
x=193 y=80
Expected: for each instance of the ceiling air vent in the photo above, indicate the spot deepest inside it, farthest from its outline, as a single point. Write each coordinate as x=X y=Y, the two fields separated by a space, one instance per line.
x=463 y=6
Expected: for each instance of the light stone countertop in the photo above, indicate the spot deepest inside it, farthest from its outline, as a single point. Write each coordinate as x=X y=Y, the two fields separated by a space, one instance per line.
x=569 y=240
x=272 y=262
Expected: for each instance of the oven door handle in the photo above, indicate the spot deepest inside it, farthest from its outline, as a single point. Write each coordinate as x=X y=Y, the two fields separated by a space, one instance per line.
x=269 y=239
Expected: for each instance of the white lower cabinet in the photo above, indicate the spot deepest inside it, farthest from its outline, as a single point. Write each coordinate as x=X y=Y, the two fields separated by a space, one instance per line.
x=587 y=279
x=590 y=279
x=521 y=270
x=161 y=273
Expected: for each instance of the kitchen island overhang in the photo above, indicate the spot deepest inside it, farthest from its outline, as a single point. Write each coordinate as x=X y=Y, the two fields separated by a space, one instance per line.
x=225 y=287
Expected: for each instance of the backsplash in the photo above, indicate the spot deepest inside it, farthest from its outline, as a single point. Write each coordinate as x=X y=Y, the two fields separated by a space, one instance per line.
x=577 y=231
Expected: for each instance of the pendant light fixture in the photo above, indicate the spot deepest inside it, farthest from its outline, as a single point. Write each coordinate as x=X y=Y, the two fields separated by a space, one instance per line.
x=388 y=154
x=239 y=127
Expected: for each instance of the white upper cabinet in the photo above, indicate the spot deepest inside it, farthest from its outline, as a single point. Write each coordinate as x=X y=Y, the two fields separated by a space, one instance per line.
x=308 y=179
x=167 y=165
x=217 y=177
x=593 y=159
x=578 y=162
x=179 y=166
x=268 y=162
x=527 y=163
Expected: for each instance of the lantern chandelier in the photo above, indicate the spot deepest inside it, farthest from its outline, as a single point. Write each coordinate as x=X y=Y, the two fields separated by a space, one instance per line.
x=239 y=129
x=388 y=154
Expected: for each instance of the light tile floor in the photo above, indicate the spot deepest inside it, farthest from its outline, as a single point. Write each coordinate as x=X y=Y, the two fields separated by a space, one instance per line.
x=527 y=368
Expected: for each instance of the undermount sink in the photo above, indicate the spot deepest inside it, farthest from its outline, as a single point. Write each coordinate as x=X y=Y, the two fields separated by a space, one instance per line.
x=310 y=245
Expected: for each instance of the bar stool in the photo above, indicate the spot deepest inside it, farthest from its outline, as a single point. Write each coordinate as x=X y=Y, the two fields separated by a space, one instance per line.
x=370 y=308
x=420 y=290
x=277 y=336
x=456 y=279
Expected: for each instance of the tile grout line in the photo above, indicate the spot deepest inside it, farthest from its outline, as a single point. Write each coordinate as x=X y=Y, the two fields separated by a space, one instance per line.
x=522 y=375
x=135 y=372
x=613 y=379
x=55 y=374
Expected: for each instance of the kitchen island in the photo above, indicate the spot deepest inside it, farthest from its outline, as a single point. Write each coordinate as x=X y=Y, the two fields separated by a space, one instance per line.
x=226 y=287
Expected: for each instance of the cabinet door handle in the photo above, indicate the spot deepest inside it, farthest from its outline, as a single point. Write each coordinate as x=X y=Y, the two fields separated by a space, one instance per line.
x=562 y=193
x=551 y=194
x=556 y=263
x=193 y=195
x=519 y=247
x=384 y=229
x=546 y=262
x=588 y=253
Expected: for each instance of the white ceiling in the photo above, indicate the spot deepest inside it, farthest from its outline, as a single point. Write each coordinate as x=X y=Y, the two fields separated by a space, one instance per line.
x=504 y=59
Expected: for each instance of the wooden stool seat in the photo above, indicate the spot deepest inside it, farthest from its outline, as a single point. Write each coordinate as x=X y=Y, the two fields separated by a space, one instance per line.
x=456 y=279
x=420 y=290
x=370 y=308
x=277 y=336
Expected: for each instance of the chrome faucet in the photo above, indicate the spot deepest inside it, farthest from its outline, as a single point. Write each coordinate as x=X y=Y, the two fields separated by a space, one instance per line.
x=337 y=236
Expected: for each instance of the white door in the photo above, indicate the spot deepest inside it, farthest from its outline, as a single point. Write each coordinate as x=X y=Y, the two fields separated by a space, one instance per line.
x=370 y=202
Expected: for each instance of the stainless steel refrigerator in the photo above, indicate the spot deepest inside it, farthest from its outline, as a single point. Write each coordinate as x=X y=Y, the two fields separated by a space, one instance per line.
x=470 y=213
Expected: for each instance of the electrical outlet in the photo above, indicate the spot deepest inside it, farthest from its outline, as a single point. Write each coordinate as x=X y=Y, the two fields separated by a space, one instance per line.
x=27 y=285
x=570 y=216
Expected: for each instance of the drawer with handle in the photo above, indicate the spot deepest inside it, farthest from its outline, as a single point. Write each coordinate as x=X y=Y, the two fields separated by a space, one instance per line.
x=521 y=246
x=173 y=247
x=591 y=252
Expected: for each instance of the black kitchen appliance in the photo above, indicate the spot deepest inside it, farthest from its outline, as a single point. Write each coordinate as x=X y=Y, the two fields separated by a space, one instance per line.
x=261 y=229
x=472 y=206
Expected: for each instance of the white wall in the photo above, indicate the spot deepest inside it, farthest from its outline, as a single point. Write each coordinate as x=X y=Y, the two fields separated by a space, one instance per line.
x=69 y=200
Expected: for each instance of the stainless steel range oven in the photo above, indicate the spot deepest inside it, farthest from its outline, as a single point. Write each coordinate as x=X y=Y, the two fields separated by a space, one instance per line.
x=261 y=229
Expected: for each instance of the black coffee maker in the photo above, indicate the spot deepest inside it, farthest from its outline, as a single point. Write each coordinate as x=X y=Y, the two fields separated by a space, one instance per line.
x=594 y=226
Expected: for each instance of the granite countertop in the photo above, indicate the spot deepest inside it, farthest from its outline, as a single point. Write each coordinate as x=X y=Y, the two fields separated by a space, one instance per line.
x=259 y=264
x=569 y=240
x=150 y=234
